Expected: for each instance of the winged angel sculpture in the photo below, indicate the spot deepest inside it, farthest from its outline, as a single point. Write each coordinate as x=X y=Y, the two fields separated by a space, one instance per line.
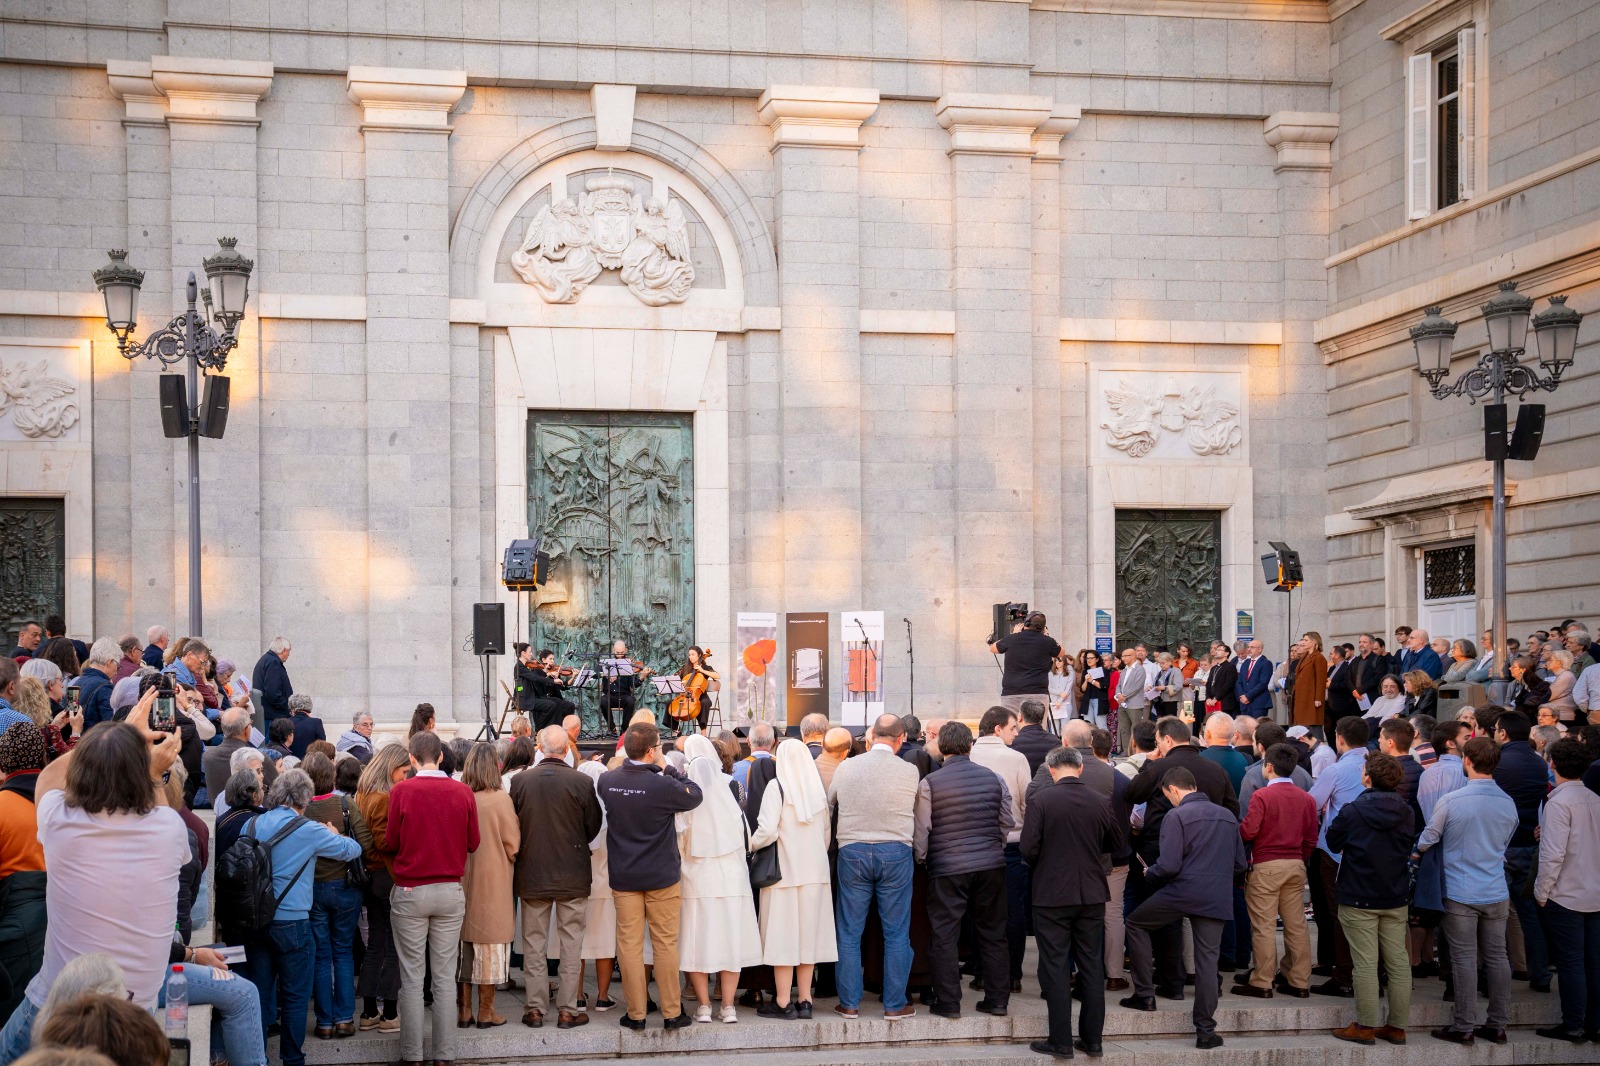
x=608 y=227
x=39 y=404
x=1210 y=426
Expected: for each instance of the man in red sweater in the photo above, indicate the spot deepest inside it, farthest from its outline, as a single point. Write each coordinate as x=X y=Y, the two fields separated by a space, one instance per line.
x=1281 y=826
x=433 y=824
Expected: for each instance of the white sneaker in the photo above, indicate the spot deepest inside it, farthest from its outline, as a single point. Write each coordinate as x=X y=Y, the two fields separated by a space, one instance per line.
x=702 y=1013
x=730 y=1015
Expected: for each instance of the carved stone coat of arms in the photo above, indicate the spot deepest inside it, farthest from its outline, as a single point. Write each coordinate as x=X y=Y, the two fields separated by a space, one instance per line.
x=609 y=227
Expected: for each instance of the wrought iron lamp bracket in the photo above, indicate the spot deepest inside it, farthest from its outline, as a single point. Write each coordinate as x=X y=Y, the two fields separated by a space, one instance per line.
x=1495 y=371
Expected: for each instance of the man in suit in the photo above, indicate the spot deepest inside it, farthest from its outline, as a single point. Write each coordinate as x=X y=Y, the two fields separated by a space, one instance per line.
x=1132 y=704
x=1221 y=681
x=1078 y=734
x=1419 y=656
x=1371 y=666
x=270 y=682
x=1201 y=853
x=1255 y=675
x=559 y=814
x=1068 y=837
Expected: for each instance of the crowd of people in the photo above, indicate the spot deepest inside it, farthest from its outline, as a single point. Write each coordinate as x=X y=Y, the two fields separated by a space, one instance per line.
x=378 y=884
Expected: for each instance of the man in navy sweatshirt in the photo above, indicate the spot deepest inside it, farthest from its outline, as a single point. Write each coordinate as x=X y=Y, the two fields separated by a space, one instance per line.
x=641 y=798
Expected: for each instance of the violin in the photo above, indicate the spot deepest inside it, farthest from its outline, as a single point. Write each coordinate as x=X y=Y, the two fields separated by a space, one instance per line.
x=686 y=704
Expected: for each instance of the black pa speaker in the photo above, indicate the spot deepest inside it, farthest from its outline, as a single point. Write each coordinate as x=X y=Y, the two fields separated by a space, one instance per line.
x=488 y=629
x=524 y=566
x=174 y=406
x=214 y=410
x=1282 y=569
x=1495 y=445
x=1529 y=432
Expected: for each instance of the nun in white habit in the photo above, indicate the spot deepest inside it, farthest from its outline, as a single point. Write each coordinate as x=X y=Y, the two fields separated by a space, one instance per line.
x=796 y=913
x=717 y=931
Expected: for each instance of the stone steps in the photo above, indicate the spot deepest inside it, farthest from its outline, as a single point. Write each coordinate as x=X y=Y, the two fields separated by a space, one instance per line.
x=1279 y=1032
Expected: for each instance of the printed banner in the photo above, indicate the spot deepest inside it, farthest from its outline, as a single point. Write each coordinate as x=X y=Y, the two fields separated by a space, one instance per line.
x=861 y=680
x=806 y=642
x=1244 y=625
x=755 y=675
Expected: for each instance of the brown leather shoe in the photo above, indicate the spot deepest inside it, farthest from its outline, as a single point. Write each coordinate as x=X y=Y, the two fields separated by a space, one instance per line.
x=1390 y=1033
x=344 y=1029
x=1251 y=990
x=323 y=1032
x=1117 y=984
x=533 y=1018
x=571 y=1019
x=1356 y=1034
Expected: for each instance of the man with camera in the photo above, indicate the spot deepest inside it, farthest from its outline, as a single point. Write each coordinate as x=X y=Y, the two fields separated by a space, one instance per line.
x=1028 y=652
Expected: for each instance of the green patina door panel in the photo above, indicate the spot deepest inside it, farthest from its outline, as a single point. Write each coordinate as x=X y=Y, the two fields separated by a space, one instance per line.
x=33 y=575
x=611 y=496
x=1169 y=578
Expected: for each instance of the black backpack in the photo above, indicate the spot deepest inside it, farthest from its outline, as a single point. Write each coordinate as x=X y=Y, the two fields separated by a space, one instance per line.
x=246 y=903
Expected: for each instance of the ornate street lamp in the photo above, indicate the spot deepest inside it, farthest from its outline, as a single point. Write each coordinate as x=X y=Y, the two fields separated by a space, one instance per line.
x=191 y=340
x=1500 y=371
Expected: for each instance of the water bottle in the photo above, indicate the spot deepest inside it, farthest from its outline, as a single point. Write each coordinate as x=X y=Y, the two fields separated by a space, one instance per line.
x=177 y=1004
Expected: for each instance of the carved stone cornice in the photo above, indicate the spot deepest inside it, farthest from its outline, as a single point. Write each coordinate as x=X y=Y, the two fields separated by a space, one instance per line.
x=985 y=124
x=142 y=102
x=406 y=98
x=211 y=91
x=1048 y=137
x=1303 y=139
x=814 y=116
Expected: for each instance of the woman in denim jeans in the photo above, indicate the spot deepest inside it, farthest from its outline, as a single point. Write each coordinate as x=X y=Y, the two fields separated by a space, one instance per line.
x=335 y=911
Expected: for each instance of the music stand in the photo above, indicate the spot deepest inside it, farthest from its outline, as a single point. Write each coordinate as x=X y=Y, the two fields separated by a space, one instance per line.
x=611 y=670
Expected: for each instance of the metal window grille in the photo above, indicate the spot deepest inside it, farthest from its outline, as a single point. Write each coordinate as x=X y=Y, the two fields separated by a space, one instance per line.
x=1450 y=572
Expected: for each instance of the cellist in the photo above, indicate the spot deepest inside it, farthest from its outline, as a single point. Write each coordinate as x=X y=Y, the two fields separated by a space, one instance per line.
x=696 y=676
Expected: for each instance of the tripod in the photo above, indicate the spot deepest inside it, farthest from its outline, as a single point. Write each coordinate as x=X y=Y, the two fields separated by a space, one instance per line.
x=487 y=731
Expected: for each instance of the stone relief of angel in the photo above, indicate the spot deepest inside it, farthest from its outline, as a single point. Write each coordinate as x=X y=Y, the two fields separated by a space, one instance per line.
x=655 y=265
x=557 y=257
x=38 y=403
x=1209 y=425
x=1135 y=418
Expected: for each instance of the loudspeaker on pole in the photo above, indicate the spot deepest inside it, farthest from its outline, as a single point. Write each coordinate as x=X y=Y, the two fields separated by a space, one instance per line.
x=488 y=629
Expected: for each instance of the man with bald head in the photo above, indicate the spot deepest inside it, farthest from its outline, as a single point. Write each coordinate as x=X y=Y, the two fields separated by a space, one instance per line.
x=874 y=797
x=573 y=725
x=1417 y=655
x=1218 y=740
x=1077 y=733
x=836 y=744
x=558 y=814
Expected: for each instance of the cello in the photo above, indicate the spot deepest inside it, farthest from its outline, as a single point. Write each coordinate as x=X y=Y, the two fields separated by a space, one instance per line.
x=686 y=704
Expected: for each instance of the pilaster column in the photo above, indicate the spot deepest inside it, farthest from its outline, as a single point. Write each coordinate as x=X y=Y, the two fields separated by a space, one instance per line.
x=1055 y=564
x=134 y=542
x=211 y=130
x=816 y=138
x=406 y=126
x=991 y=160
x=1296 y=505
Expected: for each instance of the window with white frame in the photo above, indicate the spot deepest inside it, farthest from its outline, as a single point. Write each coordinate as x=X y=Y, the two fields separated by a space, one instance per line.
x=1441 y=123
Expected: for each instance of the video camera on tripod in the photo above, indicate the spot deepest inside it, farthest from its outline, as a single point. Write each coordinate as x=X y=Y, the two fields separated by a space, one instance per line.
x=1007 y=615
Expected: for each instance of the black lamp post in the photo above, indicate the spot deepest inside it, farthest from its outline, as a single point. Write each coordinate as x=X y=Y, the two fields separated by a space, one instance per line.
x=1500 y=371
x=188 y=339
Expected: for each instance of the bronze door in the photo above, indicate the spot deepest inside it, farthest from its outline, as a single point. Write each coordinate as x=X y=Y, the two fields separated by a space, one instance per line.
x=33 y=576
x=1169 y=578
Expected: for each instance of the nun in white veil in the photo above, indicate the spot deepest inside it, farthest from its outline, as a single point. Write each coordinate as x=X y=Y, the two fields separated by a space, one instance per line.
x=717 y=931
x=797 y=912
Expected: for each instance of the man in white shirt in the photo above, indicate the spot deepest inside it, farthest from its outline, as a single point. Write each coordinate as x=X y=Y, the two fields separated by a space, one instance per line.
x=1586 y=693
x=1322 y=756
x=874 y=796
x=996 y=730
x=1132 y=705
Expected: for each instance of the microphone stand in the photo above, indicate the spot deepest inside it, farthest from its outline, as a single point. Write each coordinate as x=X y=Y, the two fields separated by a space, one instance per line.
x=911 y=661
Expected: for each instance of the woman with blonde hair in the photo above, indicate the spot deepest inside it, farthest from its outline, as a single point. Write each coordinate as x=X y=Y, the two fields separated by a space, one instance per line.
x=1562 y=682
x=797 y=930
x=379 y=979
x=1422 y=694
x=1308 y=699
x=489 y=921
x=717 y=932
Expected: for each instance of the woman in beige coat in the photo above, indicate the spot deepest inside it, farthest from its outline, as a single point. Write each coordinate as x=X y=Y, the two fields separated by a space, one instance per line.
x=796 y=914
x=489 y=922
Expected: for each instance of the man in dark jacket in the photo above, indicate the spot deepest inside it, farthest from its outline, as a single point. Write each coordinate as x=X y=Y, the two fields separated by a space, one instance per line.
x=641 y=798
x=559 y=814
x=1371 y=667
x=1033 y=739
x=1373 y=834
x=270 y=682
x=1342 y=678
x=94 y=684
x=1078 y=734
x=1201 y=854
x=218 y=758
x=963 y=816
x=1174 y=750
x=1068 y=837
x=1395 y=738
x=308 y=729
x=156 y=641
x=1524 y=776
x=1221 y=681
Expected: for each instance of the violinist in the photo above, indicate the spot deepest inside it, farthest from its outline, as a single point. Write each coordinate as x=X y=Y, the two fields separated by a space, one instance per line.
x=616 y=693
x=697 y=676
x=550 y=704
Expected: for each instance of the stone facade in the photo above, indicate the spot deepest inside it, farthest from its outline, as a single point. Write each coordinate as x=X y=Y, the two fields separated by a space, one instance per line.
x=927 y=243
